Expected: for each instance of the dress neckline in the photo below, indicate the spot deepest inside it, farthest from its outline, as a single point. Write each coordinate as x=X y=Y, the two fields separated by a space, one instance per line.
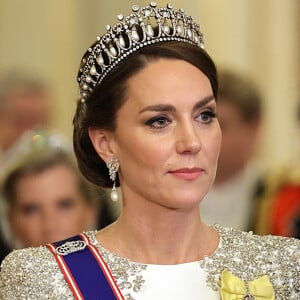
x=95 y=242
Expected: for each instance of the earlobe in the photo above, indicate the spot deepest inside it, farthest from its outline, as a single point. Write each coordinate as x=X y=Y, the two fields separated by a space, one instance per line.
x=101 y=141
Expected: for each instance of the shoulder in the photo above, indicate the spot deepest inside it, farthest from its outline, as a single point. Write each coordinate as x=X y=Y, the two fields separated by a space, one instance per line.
x=268 y=249
x=250 y=256
x=268 y=242
x=32 y=272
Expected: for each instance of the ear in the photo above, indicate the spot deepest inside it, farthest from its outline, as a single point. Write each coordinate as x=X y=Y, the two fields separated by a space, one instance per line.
x=102 y=140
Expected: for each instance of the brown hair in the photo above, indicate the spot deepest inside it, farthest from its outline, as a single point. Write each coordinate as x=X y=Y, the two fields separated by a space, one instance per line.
x=100 y=109
x=241 y=91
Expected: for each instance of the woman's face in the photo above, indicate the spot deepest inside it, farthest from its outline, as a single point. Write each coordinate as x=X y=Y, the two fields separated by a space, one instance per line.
x=167 y=137
x=49 y=207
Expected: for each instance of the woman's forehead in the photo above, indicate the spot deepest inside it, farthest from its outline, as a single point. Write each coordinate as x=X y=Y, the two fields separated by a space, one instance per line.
x=167 y=76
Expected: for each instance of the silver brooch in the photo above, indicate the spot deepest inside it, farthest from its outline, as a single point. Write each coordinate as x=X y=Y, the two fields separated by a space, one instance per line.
x=70 y=247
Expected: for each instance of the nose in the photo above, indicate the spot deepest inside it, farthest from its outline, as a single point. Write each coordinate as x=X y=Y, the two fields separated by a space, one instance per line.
x=188 y=139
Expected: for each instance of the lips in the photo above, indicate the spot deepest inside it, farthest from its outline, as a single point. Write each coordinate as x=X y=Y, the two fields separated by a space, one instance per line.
x=187 y=173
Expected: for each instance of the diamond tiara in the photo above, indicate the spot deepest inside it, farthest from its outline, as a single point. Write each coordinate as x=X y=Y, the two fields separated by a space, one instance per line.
x=144 y=26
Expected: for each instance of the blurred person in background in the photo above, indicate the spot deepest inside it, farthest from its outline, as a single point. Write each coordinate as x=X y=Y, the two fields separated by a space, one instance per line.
x=278 y=203
x=24 y=105
x=230 y=202
x=45 y=196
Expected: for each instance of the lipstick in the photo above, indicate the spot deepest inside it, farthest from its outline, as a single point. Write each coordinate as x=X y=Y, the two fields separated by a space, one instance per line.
x=187 y=173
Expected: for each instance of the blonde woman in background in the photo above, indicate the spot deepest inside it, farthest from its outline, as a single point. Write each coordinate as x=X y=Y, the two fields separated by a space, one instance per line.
x=45 y=197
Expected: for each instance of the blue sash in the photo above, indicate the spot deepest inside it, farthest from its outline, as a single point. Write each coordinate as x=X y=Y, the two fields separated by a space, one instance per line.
x=84 y=269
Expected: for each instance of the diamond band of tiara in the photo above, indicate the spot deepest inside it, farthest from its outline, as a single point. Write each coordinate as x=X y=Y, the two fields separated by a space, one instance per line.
x=144 y=26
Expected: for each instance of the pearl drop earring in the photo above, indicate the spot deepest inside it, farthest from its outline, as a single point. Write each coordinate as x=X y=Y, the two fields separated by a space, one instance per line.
x=113 y=167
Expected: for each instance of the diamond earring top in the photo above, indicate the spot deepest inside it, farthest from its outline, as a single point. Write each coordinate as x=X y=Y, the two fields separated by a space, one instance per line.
x=113 y=167
x=144 y=26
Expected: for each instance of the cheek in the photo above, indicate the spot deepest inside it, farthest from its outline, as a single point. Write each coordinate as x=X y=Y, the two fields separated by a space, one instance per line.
x=25 y=228
x=30 y=225
x=73 y=214
x=144 y=160
x=144 y=152
x=214 y=144
x=76 y=221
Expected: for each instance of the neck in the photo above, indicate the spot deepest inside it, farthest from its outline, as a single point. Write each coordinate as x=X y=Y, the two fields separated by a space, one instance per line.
x=160 y=236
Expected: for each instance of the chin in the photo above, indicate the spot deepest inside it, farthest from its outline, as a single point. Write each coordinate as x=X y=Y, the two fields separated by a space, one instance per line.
x=187 y=200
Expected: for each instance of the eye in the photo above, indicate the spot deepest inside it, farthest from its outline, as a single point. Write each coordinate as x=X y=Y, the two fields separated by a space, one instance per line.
x=158 y=122
x=66 y=203
x=206 y=116
x=29 y=209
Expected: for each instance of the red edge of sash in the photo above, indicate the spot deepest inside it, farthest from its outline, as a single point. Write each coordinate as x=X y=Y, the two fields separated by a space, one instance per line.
x=67 y=273
x=103 y=266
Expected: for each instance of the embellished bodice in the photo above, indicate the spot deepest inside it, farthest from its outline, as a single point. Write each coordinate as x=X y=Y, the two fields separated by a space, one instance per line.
x=250 y=256
x=33 y=273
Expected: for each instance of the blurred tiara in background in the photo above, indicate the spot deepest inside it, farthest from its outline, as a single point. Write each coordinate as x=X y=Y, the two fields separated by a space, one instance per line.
x=144 y=26
x=34 y=141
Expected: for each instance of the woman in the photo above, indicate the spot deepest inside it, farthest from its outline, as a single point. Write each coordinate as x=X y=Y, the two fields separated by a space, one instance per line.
x=148 y=113
x=45 y=196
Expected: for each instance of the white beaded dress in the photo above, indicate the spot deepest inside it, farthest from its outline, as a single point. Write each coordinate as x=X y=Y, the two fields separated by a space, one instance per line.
x=33 y=273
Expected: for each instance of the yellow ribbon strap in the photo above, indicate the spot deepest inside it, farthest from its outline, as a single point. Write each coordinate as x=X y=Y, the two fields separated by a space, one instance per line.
x=234 y=288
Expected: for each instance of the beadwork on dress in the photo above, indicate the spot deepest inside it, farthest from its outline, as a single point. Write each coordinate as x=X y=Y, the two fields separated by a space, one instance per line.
x=33 y=273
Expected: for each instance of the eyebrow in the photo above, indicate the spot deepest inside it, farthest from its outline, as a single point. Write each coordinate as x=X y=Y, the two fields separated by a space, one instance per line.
x=171 y=108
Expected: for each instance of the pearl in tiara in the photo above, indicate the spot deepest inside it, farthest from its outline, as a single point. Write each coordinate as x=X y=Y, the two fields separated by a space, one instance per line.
x=144 y=26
